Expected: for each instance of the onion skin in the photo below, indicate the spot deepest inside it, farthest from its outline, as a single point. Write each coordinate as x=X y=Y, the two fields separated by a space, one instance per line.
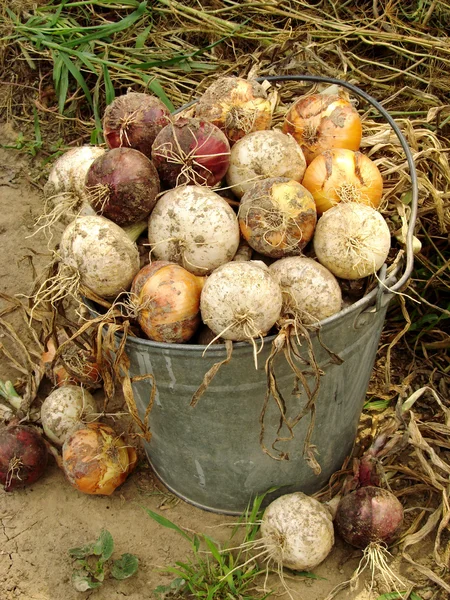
x=133 y=121
x=96 y=460
x=369 y=514
x=321 y=122
x=168 y=300
x=343 y=175
x=191 y=151
x=23 y=456
x=237 y=106
x=131 y=184
x=277 y=217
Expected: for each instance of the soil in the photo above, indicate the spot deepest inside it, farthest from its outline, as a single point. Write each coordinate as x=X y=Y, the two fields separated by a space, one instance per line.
x=40 y=524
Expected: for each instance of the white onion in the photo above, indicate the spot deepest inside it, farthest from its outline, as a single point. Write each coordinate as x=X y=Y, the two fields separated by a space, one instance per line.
x=264 y=154
x=241 y=300
x=297 y=531
x=352 y=240
x=310 y=291
x=194 y=227
x=65 y=410
x=101 y=252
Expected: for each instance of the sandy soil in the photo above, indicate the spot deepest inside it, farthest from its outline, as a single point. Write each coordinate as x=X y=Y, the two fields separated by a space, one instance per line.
x=41 y=523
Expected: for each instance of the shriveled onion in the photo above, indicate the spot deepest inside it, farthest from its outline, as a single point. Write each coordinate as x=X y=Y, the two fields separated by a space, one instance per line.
x=297 y=532
x=263 y=154
x=352 y=240
x=194 y=227
x=277 y=217
x=23 y=456
x=237 y=106
x=65 y=410
x=191 y=151
x=134 y=120
x=323 y=121
x=310 y=292
x=241 y=301
x=167 y=298
x=96 y=460
x=343 y=175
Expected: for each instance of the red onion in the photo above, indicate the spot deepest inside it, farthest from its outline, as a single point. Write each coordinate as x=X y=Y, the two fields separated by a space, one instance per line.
x=23 y=456
x=369 y=514
x=191 y=151
x=122 y=185
x=133 y=121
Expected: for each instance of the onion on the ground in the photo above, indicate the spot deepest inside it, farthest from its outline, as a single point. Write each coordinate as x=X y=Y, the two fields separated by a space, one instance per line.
x=277 y=217
x=23 y=456
x=263 y=154
x=194 y=227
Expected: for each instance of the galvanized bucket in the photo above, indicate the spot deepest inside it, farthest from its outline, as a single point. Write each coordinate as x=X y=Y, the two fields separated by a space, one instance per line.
x=211 y=455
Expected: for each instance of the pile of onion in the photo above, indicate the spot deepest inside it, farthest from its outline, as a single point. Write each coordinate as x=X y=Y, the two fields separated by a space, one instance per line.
x=96 y=460
x=343 y=175
x=167 y=300
x=191 y=151
x=237 y=106
x=134 y=120
x=323 y=121
x=23 y=456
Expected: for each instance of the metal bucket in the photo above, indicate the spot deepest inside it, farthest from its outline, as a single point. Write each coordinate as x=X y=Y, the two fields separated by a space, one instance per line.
x=211 y=455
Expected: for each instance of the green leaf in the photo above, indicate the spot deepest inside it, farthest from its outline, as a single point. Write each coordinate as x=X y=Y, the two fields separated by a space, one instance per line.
x=142 y=37
x=82 y=582
x=109 y=88
x=174 y=587
x=213 y=549
x=104 y=546
x=81 y=552
x=398 y=596
x=125 y=566
x=74 y=71
x=166 y=523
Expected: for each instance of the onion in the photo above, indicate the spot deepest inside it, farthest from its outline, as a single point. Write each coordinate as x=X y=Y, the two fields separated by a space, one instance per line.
x=99 y=253
x=167 y=298
x=369 y=515
x=343 y=175
x=65 y=410
x=191 y=151
x=264 y=154
x=352 y=240
x=123 y=185
x=23 y=456
x=241 y=301
x=237 y=106
x=310 y=292
x=323 y=121
x=297 y=531
x=194 y=227
x=96 y=460
x=134 y=120
x=277 y=217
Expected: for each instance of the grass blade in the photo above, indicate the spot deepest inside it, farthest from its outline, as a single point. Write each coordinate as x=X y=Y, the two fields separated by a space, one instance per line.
x=166 y=523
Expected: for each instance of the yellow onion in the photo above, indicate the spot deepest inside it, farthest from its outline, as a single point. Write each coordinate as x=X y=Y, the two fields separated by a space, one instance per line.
x=167 y=298
x=321 y=122
x=277 y=217
x=235 y=105
x=96 y=460
x=343 y=175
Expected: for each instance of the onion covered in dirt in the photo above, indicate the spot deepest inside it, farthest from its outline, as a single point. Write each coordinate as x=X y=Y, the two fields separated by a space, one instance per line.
x=368 y=515
x=98 y=253
x=263 y=154
x=167 y=299
x=310 y=292
x=134 y=120
x=277 y=217
x=352 y=240
x=194 y=227
x=23 y=456
x=123 y=185
x=241 y=301
x=65 y=410
x=191 y=151
x=323 y=121
x=96 y=460
x=237 y=106
x=297 y=532
x=343 y=175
